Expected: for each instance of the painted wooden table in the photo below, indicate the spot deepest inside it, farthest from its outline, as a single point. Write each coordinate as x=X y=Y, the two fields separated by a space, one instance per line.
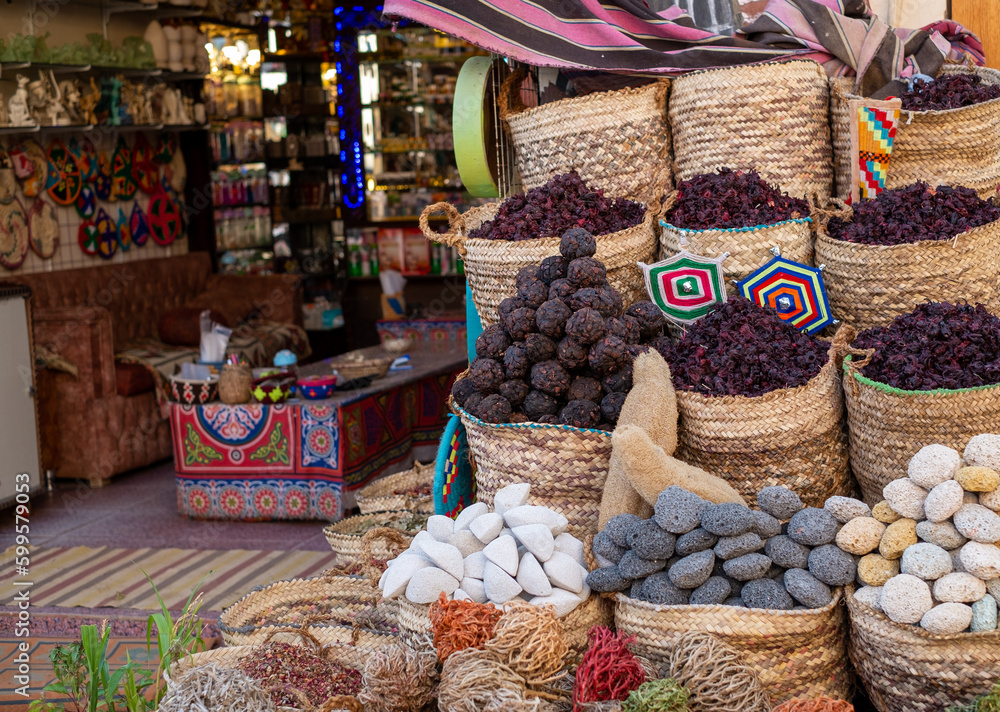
x=304 y=459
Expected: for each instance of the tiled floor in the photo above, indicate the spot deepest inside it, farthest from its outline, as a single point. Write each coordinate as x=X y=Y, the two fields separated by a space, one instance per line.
x=139 y=509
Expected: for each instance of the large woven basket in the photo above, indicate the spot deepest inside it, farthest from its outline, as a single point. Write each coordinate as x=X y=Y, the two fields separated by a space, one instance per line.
x=795 y=653
x=906 y=669
x=327 y=601
x=565 y=466
x=870 y=285
x=491 y=266
x=748 y=247
x=888 y=425
x=616 y=140
x=345 y=537
x=388 y=493
x=793 y=437
x=771 y=117
x=953 y=147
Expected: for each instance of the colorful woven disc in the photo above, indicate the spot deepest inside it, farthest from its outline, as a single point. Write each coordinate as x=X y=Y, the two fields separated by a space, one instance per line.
x=122 y=182
x=14 y=234
x=792 y=289
x=103 y=187
x=165 y=219
x=107 y=235
x=139 y=225
x=145 y=169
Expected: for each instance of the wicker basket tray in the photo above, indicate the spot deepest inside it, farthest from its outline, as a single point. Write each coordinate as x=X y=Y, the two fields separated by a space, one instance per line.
x=345 y=536
x=328 y=601
x=380 y=495
x=356 y=365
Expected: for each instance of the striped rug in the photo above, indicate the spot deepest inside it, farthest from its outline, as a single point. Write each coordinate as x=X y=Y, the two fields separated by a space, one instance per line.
x=103 y=577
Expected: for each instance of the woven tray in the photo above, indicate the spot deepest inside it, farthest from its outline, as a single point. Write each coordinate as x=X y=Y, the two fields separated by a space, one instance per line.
x=888 y=425
x=492 y=265
x=351 y=367
x=952 y=147
x=795 y=653
x=379 y=495
x=353 y=605
x=907 y=669
x=345 y=536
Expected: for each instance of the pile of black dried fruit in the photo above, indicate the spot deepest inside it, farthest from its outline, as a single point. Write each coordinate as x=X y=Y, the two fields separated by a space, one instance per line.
x=732 y=199
x=741 y=349
x=914 y=213
x=949 y=91
x=695 y=552
x=567 y=359
x=550 y=210
x=937 y=345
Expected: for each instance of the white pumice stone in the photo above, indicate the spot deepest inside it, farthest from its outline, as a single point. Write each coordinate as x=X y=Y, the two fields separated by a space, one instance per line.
x=531 y=577
x=976 y=522
x=984 y=451
x=947 y=619
x=510 y=497
x=869 y=596
x=990 y=500
x=536 y=538
x=561 y=600
x=959 y=588
x=564 y=572
x=427 y=584
x=993 y=586
x=569 y=544
x=944 y=534
x=469 y=514
x=981 y=560
x=933 y=464
x=416 y=543
x=475 y=565
x=906 y=498
x=500 y=587
x=466 y=542
x=943 y=501
x=487 y=527
x=533 y=514
x=461 y=595
x=396 y=579
x=844 y=509
x=446 y=557
x=475 y=588
x=502 y=551
x=905 y=599
x=440 y=527
x=926 y=561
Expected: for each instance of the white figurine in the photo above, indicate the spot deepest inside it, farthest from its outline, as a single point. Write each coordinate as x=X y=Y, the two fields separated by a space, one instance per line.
x=19 y=114
x=70 y=91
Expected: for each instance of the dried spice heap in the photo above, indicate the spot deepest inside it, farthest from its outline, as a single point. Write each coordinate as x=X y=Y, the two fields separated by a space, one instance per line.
x=741 y=349
x=551 y=209
x=937 y=345
x=914 y=213
x=949 y=92
x=283 y=666
x=563 y=358
x=732 y=199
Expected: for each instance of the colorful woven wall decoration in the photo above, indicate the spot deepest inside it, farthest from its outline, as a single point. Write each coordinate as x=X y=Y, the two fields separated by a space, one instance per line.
x=873 y=132
x=145 y=169
x=792 y=289
x=31 y=166
x=139 y=225
x=123 y=184
x=86 y=202
x=64 y=180
x=14 y=234
x=124 y=231
x=107 y=235
x=165 y=219
x=44 y=229
x=686 y=286
x=87 y=237
x=103 y=187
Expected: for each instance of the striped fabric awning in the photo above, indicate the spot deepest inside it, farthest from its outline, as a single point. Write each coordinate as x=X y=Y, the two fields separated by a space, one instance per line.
x=626 y=36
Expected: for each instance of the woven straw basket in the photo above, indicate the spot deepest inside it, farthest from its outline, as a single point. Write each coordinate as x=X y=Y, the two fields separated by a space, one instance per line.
x=870 y=285
x=345 y=537
x=771 y=117
x=353 y=605
x=952 y=147
x=565 y=466
x=748 y=247
x=795 y=653
x=907 y=669
x=615 y=140
x=234 y=383
x=888 y=425
x=379 y=495
x=792 y=437
x=492 y=265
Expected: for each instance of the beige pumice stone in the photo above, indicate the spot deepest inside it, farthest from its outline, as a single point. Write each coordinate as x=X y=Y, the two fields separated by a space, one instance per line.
x=897 y=537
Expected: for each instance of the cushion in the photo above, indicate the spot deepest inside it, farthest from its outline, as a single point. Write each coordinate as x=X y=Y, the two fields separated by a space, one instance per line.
x=131 y=379
x=232 y=301
x=182 y=326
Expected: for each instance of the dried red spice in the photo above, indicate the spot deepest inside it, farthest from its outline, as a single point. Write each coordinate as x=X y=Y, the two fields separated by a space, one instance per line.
x=732 y=199
x=550 y=210
x=914 y=213
x=949 y=91
x=937 y=345
x=741 y=349
x=293 y=666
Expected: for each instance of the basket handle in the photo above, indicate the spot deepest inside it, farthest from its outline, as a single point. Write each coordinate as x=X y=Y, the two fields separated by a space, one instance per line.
x=398 y=542
x=301 y=632
x=859 y=359
x=509 y=99
x=454 y=236
x=821 y=216
x=841 y=344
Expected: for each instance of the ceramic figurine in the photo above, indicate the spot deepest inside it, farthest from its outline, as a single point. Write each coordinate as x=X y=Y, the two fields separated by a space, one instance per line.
x=136 y=100
x=189 y=50
x=156 y=111
x=38 y=101
x=158 y=40
x=45 y=101
x=70 y=90
x=19 y=114
x=109 y=109
x=88 y=103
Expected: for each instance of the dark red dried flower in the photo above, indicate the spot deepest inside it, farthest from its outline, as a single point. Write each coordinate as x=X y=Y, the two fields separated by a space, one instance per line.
x=949 y=91
x=732 y=199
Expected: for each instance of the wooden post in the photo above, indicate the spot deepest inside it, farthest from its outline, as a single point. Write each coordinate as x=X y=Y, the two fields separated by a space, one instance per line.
x=982 y=18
